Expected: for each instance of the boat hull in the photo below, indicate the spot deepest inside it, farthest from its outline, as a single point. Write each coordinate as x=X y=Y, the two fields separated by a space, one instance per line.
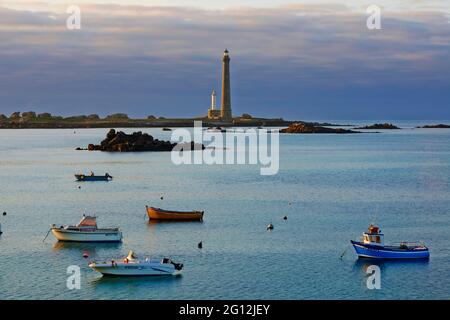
x=378 y=252
x=92 y=178
x=86 y=236
x=159 y=214
x=132 y=270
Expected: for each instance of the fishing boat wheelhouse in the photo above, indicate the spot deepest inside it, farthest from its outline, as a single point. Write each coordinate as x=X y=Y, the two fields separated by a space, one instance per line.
x=373 y=236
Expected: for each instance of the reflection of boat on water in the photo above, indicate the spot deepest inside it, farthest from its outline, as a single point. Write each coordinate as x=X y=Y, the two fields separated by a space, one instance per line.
x=91 y=247
x=372 y=247
x=131 y=266
x=153 y=222
x=86 y=231
x=114 y=282
x=161 y=214
x=92 y=177
x=363 y=264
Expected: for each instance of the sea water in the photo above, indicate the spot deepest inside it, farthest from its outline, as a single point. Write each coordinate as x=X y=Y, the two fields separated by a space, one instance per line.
x=331 y=187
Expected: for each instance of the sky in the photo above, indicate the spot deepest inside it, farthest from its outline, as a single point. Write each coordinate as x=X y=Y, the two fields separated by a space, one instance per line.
x=312 y=59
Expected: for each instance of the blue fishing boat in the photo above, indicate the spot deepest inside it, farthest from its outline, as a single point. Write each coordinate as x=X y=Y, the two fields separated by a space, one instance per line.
x=93 y=177
x=372 y=247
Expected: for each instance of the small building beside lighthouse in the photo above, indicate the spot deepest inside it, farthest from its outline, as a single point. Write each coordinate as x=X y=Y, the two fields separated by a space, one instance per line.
x=224 y=114
x=213 y=112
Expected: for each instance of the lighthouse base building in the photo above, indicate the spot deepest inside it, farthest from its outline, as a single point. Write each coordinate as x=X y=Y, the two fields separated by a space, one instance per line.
x=214 y=114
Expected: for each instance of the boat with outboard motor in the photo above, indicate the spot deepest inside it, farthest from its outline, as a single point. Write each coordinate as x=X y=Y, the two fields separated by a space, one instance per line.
x=131 y=266
x=372 y=247
x=86 y=231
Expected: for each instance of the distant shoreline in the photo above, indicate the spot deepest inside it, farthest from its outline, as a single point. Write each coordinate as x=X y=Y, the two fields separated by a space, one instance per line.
x=144 y=123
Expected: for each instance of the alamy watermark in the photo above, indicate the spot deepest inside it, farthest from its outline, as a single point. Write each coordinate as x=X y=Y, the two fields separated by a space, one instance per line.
x=374 y=20
x=73 y=22
x=246 y=146
x=374 y=279
x=74 y=279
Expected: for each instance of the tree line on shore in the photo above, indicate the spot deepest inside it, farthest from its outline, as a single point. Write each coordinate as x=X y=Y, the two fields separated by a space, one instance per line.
x=31 y=116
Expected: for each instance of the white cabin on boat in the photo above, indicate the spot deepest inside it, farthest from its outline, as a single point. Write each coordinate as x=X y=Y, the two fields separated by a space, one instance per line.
x=373 y=236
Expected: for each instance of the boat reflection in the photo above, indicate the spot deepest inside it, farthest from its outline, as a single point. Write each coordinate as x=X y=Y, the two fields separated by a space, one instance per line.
x=155 y=222
x=117 y=281
x=363 y=264
x=85 y=246
x=163 y=224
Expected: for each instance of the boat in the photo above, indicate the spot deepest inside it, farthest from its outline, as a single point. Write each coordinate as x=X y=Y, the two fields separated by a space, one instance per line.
x=92 y=177
x=371 y=246
x=86 y=231
x=161 y=214
x=132 y=266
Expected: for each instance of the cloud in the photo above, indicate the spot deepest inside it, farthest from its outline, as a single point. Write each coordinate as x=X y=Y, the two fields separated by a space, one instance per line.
x=150 y=51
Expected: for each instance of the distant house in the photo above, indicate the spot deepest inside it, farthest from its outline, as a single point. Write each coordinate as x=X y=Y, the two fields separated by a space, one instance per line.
x=117 y=116
x=44 y=115
x=15 y=115
x=29 y=115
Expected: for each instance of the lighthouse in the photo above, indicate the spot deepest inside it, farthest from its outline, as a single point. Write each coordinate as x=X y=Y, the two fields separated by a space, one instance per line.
x=213 y=99
x=226 y=88
x=224 y=114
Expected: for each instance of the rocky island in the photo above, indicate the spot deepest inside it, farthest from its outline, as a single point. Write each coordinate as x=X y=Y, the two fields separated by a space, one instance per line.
x=137 y=142
x=436 y=126
x=33 y=120
x=303 y=127
x=379 y=126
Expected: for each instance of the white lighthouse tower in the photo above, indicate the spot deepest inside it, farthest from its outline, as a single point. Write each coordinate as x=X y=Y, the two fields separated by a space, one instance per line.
x=213 y=112
x=213 y=99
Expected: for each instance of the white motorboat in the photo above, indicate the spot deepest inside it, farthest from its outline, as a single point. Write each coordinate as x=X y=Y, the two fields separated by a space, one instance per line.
x=131 y=266
x=86 y=231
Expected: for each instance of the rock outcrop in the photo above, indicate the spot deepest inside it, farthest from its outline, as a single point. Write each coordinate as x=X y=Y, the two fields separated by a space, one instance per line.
x=310 y=128
x=136 y=142
x=380 y=126
x=436 y=126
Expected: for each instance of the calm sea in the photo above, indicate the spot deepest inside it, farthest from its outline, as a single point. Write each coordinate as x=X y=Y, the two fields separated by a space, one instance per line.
x=336 y=184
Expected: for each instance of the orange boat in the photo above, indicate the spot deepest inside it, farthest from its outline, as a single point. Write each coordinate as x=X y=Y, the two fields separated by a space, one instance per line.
x=160 y=214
